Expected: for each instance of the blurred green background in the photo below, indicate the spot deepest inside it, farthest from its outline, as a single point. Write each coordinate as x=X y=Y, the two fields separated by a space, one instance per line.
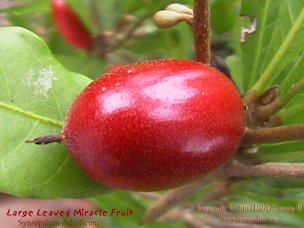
x=104 y=16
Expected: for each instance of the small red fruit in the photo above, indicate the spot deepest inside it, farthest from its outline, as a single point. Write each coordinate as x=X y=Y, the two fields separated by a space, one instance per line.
x=155 y=124
x=70 y=26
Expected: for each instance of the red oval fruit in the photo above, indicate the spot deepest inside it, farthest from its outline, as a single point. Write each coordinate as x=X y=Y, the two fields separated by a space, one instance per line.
x=155 y=124
x=70 y=26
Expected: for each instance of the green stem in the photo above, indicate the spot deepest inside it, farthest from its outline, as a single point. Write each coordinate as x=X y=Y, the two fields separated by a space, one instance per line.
x=265 y=78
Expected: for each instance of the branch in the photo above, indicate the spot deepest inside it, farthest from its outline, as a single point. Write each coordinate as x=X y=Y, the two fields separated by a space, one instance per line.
x=201 y=30
x=275 y=134
x=269 y=169
x=173 y=198
x=148 y=195
x=264 y=112
x=233 y=169
x=219 y=190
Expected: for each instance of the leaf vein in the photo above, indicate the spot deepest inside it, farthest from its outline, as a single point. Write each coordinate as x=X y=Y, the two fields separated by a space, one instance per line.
x=31 y=115
x=54 y=174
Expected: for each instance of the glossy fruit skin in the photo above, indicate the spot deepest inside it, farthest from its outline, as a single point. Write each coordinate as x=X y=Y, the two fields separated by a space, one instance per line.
x=70 y=26
x=155 y=125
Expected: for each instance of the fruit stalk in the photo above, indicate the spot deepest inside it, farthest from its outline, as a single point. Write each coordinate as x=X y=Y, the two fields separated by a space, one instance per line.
x=46 y=139
x=201 y=30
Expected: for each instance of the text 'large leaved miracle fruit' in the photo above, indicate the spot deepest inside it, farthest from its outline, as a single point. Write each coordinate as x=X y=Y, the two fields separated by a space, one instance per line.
x=155 y=125
x=70 y=26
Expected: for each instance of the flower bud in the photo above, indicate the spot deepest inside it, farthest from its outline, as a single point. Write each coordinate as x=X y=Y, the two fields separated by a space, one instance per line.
x=166 y=18
x=179 y=8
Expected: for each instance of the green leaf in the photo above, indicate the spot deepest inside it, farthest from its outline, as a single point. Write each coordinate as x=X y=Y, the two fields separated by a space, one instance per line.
x=292 y=74
x=35 y=94
x=277 y=42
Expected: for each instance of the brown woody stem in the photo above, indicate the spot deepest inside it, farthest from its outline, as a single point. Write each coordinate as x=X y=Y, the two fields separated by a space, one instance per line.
x=234 y=169
x=201 y=29
x=264 y=112
x=173 y=198
x=276 y=134
x=270 y=169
